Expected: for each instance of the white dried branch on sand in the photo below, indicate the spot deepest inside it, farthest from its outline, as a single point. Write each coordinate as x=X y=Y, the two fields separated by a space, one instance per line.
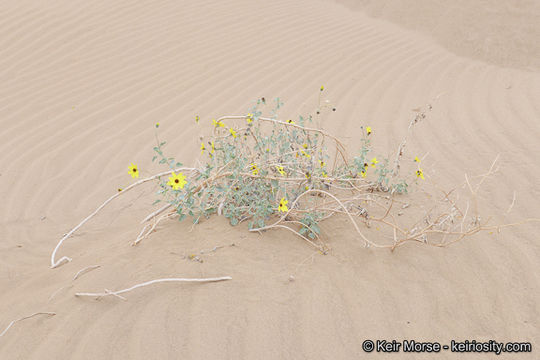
x=57 y=291
x=66 y=259
x=24 y=318
x=84 y=271
x=77 y=275
x=156 y=213
x=512 y=204
x=117 y=293
x=144 y=233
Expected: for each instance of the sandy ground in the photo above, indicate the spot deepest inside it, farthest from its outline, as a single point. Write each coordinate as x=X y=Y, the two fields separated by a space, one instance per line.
x=83 y=83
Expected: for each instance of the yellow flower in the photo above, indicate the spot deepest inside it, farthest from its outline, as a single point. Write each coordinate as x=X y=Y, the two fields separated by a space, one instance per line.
x=119 y=189
x=305 y=146
x=290 y=121
x=133 y=171
x=177 y=181
x=213 y=147
x=202 y=148
x=197 y=118
x=322 y=163
x=233 y=133
x=280 y=170
x=416 y=159
x=420 y=174
x=305 y=154
x=363 y=173
x=283 y=205
x=217 y=123
x=374 y=162
x=157 y=125
x=254 y=169
x=324 y=174
x=306 y=187
x=308 y=175
x=368 y=130
x=322 y=88
x=249 y=118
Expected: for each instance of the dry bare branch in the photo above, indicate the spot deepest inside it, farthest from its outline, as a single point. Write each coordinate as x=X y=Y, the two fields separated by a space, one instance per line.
x=181 y=280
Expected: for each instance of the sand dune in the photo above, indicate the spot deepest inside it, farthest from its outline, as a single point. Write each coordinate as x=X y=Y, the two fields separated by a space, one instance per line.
x=82 y=85
x=500 y=32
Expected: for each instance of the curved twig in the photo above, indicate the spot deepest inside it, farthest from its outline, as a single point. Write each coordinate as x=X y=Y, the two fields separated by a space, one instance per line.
x=24 y=318
x=116 y=293
x=66 y=259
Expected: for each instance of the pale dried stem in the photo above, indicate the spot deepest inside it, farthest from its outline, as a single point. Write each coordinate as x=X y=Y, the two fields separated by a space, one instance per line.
x=512 y=204
x=178 y=280
x=156 y=213
x=24 y=318
x=66 y=259
x=84 y=271
x=144 y=235
x=337 y=200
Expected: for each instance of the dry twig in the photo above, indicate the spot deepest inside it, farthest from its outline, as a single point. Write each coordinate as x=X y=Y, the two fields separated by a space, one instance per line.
x=116 y=293
x=24 y=318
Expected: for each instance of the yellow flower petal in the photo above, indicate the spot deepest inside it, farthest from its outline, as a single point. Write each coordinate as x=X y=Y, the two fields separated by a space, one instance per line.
x=217 y=123
x=177 y=181
x=283 y=205
x=133 y=171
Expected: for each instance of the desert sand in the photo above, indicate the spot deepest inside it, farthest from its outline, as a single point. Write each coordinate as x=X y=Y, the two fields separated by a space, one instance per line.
x=82 y=84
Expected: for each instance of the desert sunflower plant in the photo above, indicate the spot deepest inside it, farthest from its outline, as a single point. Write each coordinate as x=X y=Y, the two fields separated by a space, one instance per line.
x=273 y=173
